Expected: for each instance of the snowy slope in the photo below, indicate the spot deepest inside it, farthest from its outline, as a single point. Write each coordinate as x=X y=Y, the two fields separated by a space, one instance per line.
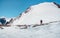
x=47 y=31
x=46 y=11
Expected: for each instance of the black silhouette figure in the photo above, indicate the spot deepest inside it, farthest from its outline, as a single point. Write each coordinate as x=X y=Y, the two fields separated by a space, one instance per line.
x=41 y=21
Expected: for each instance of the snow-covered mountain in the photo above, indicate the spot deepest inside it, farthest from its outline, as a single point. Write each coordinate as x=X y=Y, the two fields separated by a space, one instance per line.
x=47 y=11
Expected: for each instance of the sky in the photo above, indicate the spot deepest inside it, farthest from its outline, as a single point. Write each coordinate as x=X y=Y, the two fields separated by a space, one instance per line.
x=12 y=8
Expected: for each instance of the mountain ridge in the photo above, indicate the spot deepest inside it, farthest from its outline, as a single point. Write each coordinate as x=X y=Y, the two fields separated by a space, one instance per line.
x=45 y=10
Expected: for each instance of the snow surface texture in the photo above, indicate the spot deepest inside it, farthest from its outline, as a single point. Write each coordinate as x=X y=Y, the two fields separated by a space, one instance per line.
x=46 y=11
x=47 y=31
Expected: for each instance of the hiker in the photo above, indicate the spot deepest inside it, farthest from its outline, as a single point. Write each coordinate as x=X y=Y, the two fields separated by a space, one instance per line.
x=41 y=21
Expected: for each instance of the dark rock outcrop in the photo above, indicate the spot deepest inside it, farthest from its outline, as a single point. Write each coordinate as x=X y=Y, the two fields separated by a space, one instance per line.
x=57 y=4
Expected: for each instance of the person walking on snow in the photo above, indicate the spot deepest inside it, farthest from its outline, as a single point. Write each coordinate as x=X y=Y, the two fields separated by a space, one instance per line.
x=41 y=21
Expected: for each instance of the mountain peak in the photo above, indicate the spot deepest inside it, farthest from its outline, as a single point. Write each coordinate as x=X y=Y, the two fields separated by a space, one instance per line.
x=46 y=11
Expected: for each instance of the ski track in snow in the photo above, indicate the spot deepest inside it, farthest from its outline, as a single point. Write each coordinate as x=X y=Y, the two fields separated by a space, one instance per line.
x=47 y=31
